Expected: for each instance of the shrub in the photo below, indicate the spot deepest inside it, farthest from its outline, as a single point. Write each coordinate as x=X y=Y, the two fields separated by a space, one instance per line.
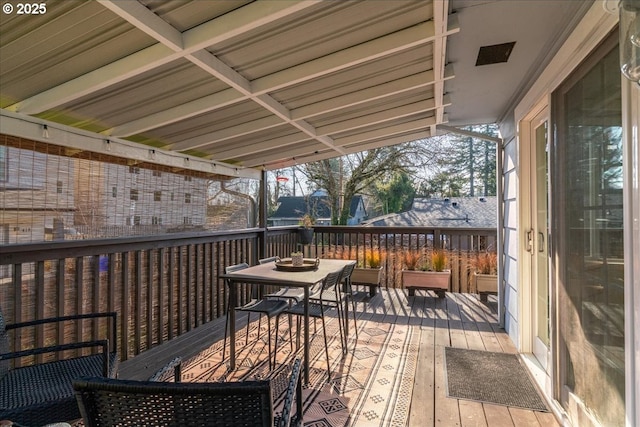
x=439 y=260
x=411 y=259
x=373 y=259
x=485 y=263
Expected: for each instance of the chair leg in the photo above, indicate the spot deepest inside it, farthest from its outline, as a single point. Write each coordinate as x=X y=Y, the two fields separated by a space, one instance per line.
x=353 y=309
x=326 y=347
x=246 y=337
x=226 y=333
x=276 y=343
x=342 y=326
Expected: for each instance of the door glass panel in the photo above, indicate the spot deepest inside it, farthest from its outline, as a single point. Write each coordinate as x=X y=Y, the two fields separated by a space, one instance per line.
x=587 y=200
x=541 y=264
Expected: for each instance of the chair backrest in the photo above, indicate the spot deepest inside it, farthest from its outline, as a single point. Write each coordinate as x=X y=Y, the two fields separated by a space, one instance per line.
x=330 y=281
x=108 y=402
x=346 y=277
x=255 y=292
x=236 y=267
x=268 y=260
x=347 y=271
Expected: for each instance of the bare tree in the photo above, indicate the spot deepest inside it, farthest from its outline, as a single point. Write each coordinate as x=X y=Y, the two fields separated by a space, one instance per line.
x=347 y=176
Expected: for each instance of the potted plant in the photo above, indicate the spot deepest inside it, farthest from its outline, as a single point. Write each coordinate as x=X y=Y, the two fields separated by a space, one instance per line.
x=305 y=232
x=432 y=275
x=485 y=273
x=297 y=258
x=369 y=272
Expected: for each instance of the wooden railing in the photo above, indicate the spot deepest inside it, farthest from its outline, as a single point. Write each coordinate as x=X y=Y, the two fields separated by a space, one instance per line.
x=164 y=286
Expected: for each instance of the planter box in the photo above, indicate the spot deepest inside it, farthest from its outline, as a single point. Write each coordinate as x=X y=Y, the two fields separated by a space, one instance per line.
x=437 y=281
x=367 y=276
x=486 y=284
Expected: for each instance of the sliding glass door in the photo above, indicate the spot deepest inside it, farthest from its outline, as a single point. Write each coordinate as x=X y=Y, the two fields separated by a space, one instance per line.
x=588 y=240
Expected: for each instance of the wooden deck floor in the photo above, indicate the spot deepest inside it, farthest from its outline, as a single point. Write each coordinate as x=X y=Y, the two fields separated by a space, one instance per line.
x=459 y=320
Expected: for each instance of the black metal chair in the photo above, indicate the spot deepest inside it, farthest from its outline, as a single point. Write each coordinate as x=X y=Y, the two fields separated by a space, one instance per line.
x=268 y=307
x=344 y=292
x=109 y=402
x=336 y=297
x=317 y=309
x=42 y=393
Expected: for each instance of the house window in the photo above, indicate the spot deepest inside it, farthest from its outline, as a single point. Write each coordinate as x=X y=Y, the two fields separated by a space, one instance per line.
x=157 y=196
x=134 y=169
x=157 y=173
x=136 y=220
x=187 y=197
x=156 y=220
x=134 y=194
x=186 y=220
x=187 y=178
x=172 y=196
x=59 y=187
x=114 y=191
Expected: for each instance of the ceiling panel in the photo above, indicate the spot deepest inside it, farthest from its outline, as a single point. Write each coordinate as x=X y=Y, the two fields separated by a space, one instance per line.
x=271 y=83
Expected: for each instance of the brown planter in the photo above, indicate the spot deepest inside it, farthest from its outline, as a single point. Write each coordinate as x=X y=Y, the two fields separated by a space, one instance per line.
x=367 y=276
x=486 y=284
x=437 y=281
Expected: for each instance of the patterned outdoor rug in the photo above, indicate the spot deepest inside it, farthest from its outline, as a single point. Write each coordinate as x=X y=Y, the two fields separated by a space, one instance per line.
x=491 y=377
x=370 y=386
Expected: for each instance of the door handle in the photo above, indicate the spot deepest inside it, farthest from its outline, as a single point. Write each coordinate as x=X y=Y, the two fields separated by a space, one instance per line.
x=540 y=241
x=529 y=240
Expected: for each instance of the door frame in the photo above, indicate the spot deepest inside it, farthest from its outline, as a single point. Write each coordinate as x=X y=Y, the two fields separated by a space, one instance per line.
x=542 y=374
x=525 y=209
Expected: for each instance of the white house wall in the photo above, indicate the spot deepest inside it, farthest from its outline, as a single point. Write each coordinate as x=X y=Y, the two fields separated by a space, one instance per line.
x=593 y=28
x=510 y=247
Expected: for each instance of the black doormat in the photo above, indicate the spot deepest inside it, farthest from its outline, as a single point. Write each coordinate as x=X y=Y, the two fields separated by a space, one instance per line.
x=498 y=378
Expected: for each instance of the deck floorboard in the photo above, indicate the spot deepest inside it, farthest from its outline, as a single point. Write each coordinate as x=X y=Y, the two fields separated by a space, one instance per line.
x=459 y=320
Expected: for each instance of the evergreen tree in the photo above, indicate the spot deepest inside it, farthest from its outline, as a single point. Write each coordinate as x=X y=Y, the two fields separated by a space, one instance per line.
x=471 y=161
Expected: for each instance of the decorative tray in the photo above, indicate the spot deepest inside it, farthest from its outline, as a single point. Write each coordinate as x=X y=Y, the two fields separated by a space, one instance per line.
x=308 y=264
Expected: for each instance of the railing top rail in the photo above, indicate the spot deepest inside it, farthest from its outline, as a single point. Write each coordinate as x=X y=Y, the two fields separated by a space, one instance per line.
x=40 y=251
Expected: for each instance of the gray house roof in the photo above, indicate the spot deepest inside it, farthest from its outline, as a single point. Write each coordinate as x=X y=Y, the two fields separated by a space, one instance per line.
x=454 y=212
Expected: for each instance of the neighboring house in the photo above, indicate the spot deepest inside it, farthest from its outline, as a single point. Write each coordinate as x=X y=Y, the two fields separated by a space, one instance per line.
x=111 y=195
x=453 y=212
x=46 y=196
x=292 y=209
x=36 y=194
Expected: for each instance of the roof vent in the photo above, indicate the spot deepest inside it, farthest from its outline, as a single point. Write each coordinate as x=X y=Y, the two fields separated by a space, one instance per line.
x=446 y=199
x=454 y=204
x=494 y=54
x=482 y=199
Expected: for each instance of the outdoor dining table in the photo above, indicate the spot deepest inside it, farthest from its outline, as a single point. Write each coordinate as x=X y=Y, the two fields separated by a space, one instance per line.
x=268 y=274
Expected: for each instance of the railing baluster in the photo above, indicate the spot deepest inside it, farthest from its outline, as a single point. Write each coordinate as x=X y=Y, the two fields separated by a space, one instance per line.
x=177 y=275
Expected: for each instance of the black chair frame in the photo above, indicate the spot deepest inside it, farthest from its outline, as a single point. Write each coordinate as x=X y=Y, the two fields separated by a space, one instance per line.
x=42 y=393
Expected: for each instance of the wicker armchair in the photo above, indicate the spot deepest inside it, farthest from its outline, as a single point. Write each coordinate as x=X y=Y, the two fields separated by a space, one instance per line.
x=42 y=393
x=108 y=402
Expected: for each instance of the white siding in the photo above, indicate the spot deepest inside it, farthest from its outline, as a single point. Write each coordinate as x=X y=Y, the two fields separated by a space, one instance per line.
x=510 y=240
